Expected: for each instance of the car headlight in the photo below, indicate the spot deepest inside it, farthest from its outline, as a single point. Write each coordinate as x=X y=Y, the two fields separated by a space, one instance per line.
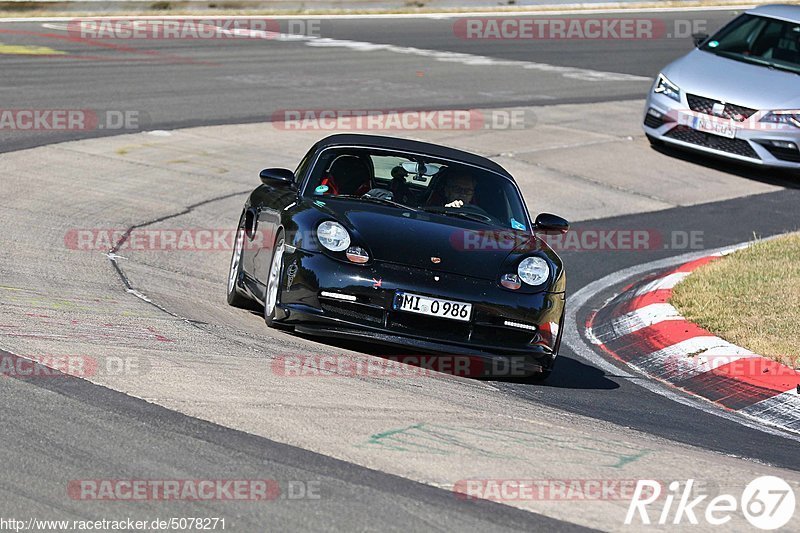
x=333 y=236
x=791 y=117
x=667 y=88
x=533 y=270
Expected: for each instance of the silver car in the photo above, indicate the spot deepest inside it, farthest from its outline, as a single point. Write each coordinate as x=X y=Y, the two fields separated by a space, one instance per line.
x=737 y=94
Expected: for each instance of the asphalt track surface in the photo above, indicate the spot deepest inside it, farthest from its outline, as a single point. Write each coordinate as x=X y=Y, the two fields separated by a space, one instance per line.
x=181 y=84
x=184 y=83
x=37 y=452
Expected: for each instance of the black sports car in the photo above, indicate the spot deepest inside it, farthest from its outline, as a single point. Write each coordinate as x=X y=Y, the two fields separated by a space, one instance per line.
x=406 y=243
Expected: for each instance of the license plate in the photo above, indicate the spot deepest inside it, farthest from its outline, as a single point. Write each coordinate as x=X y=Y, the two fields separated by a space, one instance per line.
x=721 y=127
x=438 y=307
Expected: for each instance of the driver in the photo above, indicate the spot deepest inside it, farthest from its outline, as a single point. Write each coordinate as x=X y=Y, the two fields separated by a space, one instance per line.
x=459 y=189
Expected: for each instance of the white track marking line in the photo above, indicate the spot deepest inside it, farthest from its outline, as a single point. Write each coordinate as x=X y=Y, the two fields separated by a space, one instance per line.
x=437 y=55
x=574 y=340
x=477 y=60
x=565 y=9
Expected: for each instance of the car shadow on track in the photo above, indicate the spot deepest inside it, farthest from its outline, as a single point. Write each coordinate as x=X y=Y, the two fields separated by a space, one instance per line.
x=569 y=373
x=789 y=179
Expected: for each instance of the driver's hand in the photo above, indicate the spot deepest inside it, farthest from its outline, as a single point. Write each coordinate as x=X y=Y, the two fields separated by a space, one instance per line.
x=455 y=203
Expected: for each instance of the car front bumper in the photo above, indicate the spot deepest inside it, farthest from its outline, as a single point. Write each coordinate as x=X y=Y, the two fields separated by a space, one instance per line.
x=363 y=309
x=671 y=122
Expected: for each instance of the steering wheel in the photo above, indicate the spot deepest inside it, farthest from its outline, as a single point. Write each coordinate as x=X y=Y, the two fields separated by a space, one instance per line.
x=478 y=211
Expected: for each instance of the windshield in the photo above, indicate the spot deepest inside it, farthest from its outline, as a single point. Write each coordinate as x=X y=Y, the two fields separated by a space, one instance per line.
x=416 y=182
x=759 y=40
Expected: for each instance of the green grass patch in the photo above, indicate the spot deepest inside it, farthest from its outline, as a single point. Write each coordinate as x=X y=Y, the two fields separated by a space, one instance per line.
x=750 y=298
x=24 y=7
x=161 y=6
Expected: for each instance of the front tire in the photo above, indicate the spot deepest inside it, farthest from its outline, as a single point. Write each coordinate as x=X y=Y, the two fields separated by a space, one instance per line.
x=539 y=377
x=235 y=271
x=272 y=296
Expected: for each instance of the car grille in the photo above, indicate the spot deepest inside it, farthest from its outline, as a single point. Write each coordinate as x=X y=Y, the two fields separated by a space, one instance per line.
x=715 y=142
x=493 y=335
x=434 y=327
x=352 y=312
x=784 y=154
x=653 y=122
x=706 y=105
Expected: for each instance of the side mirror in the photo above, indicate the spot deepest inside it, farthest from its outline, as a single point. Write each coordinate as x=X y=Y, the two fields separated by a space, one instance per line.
x=699 y=38
x=277 y=177
x=548 y=223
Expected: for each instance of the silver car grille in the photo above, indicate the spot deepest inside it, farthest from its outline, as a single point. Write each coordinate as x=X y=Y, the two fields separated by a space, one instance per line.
x=705 y=105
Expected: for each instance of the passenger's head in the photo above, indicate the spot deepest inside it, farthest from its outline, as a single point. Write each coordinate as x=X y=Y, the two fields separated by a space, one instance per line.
x=350 y=173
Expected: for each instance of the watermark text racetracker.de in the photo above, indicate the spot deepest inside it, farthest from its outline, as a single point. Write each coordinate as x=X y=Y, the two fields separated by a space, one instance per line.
x=191 y=28
x=222 y=239
x=401 y=119
x=732 y=366
x=503 y=490
x=37 y=366
x=576 y=28
x=54 y=120
x=411 y=366
x=579 y=240
x=726 y=120
x=161 y=239
x=145 y=490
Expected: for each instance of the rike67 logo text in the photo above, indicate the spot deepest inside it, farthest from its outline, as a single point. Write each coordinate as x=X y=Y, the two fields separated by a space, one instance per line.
x=767 y=503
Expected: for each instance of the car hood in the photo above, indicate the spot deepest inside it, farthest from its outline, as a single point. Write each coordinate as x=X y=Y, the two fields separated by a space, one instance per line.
x=426 y=240
x=735 y=82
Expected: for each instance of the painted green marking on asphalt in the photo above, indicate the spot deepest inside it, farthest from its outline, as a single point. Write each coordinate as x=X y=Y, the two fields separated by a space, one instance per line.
x=500 y=443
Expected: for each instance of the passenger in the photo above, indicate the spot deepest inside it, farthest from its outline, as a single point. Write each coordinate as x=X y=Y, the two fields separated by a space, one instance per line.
x=347 y=175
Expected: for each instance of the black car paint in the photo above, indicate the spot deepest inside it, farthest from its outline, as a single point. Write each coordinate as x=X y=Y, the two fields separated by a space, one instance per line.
x=402 y=244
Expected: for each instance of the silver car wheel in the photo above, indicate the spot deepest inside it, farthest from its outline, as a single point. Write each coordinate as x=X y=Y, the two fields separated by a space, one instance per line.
x=274 y=278
x=236 y=260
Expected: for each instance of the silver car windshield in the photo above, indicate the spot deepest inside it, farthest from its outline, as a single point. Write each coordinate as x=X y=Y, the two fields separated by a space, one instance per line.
x=759 y=40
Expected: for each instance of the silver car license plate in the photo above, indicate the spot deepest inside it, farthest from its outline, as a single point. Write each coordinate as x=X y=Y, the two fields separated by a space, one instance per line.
x=723 y=128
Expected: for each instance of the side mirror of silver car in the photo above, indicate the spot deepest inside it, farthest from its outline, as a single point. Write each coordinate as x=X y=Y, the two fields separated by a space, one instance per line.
x=699 y=38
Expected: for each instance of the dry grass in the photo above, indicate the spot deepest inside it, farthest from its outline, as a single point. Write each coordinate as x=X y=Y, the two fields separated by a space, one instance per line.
x=750 y=298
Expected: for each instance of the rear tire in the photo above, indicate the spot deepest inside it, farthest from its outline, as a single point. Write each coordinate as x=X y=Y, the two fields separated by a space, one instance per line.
x=235 y=271
x=272 y=296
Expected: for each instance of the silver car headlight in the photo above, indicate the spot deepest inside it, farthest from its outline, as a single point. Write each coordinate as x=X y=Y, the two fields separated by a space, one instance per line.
x=534 y=270
x=333 y=236
x=667 y=88
x=790 y=117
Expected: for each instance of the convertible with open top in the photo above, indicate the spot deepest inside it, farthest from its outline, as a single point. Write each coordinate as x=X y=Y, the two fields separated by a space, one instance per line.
x=400 y=242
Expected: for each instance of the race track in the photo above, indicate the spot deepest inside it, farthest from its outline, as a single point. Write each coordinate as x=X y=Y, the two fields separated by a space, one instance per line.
x=203 y=399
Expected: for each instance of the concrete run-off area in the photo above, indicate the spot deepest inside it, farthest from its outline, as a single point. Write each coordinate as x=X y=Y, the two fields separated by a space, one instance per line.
x=192 y=353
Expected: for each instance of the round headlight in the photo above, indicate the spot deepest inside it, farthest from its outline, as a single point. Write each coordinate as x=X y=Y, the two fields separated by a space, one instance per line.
x=333 y=236
x=534 y=270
